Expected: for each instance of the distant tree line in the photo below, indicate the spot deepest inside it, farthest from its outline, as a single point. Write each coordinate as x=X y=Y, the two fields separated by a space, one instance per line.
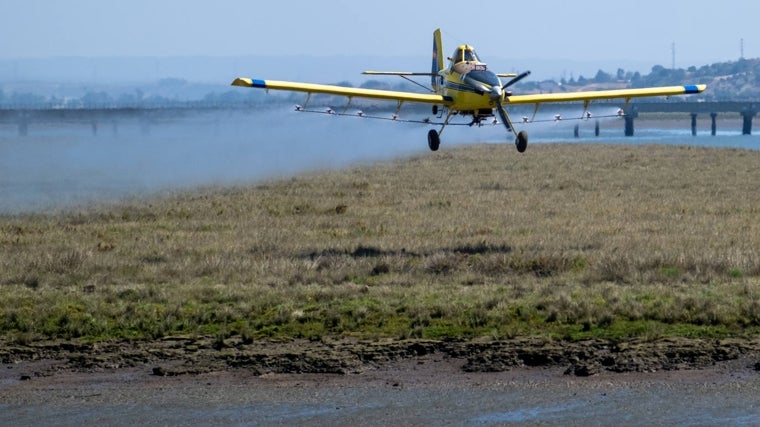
x=736 y=80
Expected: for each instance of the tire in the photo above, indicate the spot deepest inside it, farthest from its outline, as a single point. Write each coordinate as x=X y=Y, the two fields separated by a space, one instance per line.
x=521 y=142
x=434 y=141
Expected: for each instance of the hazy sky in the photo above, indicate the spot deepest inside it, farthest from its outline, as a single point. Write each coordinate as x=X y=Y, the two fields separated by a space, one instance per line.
x=642 y=30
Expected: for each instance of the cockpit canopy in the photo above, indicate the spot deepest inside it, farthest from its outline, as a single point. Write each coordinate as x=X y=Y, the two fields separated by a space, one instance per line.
x=464 y=53
x=465 y=60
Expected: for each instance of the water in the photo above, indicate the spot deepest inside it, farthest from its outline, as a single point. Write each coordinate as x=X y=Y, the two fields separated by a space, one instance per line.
x=430 y=396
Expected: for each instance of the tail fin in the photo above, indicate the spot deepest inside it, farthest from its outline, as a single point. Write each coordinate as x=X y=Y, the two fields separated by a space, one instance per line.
x=437 y=59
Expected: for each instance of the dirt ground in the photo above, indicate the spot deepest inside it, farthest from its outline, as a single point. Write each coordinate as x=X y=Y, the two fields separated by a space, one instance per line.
x=196 y=355
x=431 y=389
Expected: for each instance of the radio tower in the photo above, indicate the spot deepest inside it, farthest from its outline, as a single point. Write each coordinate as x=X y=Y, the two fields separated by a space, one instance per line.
x=673 y=48
x=741 y=49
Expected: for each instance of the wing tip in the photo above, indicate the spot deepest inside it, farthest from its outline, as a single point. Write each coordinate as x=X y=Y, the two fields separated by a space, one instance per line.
x=242 y=81
x=691 y=89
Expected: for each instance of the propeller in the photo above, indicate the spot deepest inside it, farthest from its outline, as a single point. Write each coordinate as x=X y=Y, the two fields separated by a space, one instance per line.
x=497 y=95
x=521 y=138
x=515 y=80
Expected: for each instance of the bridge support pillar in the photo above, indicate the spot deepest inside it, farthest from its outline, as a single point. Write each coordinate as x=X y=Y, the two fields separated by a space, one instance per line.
x=23 y=128
x=747 y=122
x=145 y=124
x=713 y=125
x=628 y=124
x=693 y=124
x=23 y=124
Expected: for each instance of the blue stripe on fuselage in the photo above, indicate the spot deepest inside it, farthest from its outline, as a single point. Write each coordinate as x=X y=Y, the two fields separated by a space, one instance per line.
x=461 y=87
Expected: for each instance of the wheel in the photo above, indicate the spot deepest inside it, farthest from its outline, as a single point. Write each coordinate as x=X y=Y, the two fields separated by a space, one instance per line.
x=521 y=141
x=434 y=141
x=435 y=110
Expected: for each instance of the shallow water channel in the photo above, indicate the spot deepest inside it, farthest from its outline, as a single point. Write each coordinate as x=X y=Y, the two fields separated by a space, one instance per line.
x=408 y=393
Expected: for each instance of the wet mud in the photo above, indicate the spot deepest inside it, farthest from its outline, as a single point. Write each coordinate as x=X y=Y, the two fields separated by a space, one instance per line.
x=200 y=382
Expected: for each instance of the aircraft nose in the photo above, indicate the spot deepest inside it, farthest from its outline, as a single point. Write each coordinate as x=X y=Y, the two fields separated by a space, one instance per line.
x=496 y=93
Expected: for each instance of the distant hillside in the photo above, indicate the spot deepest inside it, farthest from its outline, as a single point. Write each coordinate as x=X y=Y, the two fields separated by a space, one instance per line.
x=736 y=80
x=739 y=80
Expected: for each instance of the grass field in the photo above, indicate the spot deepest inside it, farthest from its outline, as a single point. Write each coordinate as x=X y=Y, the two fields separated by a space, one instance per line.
x=568 y=241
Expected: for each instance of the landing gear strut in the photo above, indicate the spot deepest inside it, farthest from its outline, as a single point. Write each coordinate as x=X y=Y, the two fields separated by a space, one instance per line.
x=521 y=142
x=434 y=140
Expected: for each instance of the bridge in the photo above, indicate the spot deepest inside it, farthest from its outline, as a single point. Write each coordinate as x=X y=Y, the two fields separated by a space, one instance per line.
x=146 y=116
x=747 y=110
x=106 y=116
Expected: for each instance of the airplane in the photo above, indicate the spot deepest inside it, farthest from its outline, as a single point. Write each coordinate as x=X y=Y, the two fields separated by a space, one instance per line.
x=467 y=87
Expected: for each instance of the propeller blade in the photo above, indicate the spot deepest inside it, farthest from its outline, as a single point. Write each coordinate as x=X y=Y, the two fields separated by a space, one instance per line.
x=521 y=138
x=516 y=79
x=505 y=118
x=475 y=84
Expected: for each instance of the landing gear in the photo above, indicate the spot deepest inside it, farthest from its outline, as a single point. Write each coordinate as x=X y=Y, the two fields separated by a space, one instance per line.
x=434 y=136
x=434 y=140
x=521 y=142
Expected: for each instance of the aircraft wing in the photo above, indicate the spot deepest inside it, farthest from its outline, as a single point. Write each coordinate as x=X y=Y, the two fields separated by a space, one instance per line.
x=350 y=92
x=395 y=73
x=604 y=94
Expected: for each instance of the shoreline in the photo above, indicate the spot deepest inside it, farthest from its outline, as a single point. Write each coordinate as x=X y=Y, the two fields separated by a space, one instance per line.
x=178 y=356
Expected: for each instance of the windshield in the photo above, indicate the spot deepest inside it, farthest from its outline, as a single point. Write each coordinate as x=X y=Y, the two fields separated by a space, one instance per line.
x=465 y=53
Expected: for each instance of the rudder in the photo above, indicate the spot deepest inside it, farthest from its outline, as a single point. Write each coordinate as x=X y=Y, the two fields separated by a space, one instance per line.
x=435 y=80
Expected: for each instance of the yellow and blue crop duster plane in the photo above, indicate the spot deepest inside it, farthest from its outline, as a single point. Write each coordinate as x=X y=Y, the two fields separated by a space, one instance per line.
x=467 y=87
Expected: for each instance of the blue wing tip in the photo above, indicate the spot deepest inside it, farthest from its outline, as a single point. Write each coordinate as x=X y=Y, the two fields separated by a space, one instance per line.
x=690 y=89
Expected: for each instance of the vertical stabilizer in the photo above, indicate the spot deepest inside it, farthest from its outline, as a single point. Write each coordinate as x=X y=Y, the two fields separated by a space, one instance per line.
x=435 y=80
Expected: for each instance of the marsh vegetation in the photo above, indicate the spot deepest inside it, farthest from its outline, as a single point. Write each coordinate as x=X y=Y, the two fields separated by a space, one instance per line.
x=567 y=241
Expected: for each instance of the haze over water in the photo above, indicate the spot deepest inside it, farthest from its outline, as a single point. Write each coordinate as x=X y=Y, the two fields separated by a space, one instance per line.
x=65 y=166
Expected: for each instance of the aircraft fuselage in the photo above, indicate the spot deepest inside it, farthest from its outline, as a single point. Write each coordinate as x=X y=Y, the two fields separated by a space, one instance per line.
x=470 y=83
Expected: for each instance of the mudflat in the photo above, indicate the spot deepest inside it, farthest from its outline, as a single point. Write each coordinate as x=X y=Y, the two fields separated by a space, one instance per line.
x=416 y=388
